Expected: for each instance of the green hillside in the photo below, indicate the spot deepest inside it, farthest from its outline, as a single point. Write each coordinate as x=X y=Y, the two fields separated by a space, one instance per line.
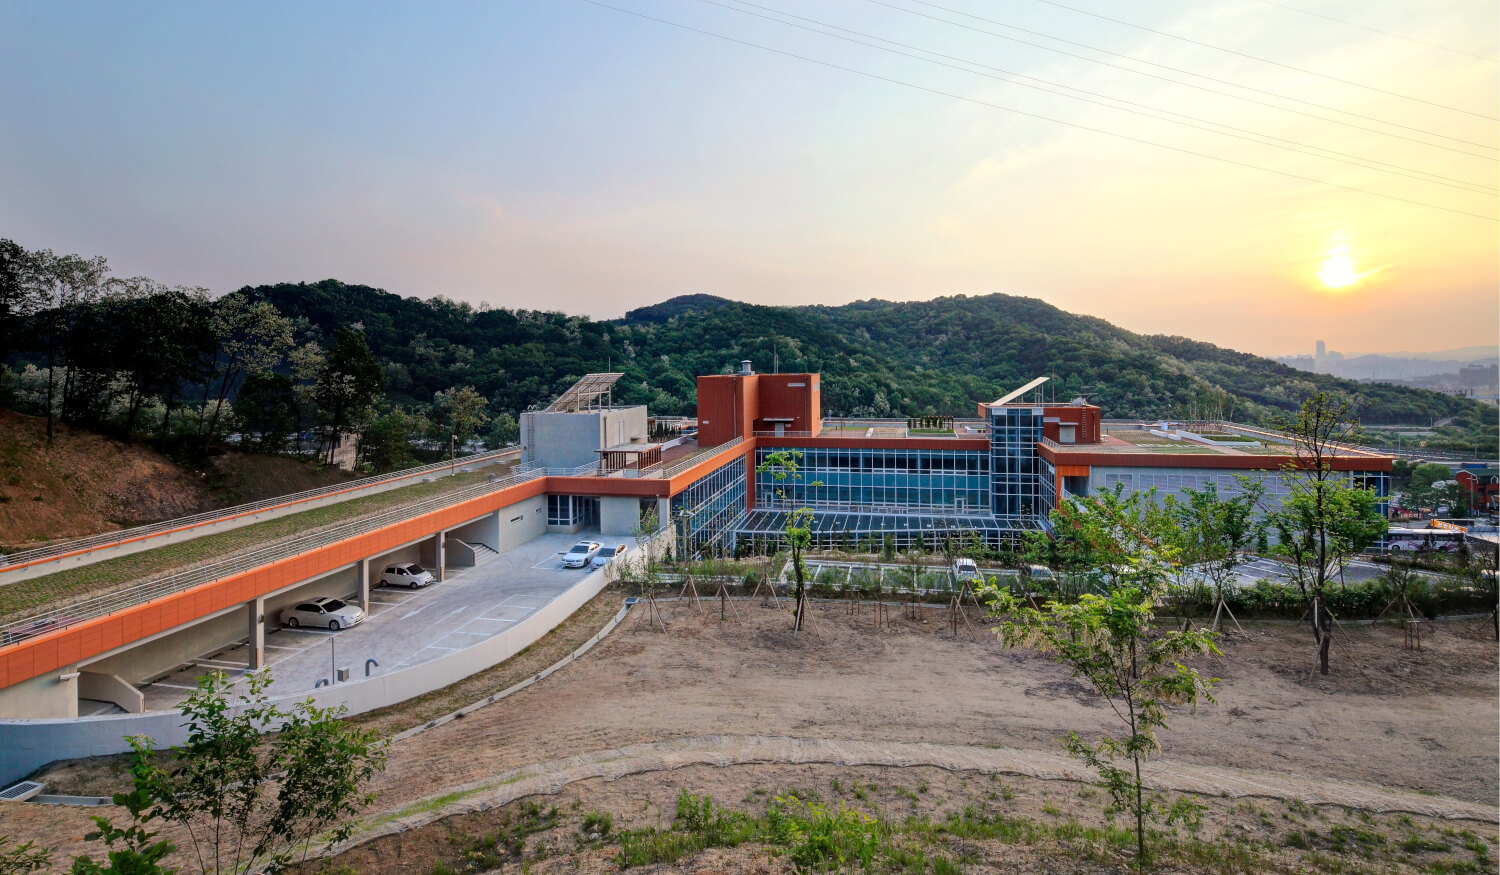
x=877 y=357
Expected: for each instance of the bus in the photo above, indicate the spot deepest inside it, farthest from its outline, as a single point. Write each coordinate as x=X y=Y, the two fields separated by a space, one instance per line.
x=1423 y=540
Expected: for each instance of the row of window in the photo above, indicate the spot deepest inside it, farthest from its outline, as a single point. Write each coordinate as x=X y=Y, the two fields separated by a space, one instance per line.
x=833 y=460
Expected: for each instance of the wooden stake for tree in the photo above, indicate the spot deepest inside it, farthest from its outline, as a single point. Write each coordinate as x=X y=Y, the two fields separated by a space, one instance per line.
x=725 y=604
x=770 y=598
x=1223 y=606
x=690 y=592
x=1339 y=627
x=1413 y=635
x=652 y=615
x=1492 y=620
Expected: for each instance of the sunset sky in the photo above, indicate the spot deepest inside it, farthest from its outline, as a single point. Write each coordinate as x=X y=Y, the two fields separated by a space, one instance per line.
x=564 y=155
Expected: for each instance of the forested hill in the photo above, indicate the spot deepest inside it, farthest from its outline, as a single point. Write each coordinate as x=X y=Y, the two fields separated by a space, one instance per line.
x=878 y=358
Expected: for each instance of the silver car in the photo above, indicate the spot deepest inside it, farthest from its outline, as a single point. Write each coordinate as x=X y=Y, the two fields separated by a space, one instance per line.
x=410 y=576
x=580 y=554
x=322 y=612
x=607 y=555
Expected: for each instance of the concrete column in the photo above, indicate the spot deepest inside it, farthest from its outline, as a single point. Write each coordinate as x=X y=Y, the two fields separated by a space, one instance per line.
x=442 y=555
x=362 y=567
x=256 y=641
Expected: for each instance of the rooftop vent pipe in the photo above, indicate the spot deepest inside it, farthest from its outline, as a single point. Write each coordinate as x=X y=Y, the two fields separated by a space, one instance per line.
x=745 y=369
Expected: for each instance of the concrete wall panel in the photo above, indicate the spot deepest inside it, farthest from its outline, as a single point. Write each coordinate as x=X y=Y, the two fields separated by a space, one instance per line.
x=44 y=695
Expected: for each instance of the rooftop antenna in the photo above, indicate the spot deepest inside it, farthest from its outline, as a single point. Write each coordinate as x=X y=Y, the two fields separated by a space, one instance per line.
x=775 y=359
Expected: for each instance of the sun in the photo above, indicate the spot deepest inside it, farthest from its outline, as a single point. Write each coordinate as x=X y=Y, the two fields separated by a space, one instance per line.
x=1338 y=270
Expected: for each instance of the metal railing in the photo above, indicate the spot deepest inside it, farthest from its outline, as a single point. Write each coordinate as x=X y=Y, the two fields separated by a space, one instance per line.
x=62 y=616
x=698 y=458
x=103 y=540
x=657 y=471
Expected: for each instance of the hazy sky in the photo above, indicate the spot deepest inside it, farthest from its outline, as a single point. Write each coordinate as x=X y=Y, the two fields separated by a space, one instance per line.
x=562 y=155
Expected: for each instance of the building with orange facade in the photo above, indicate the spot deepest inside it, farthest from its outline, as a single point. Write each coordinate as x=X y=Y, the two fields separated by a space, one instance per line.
x=998 y=475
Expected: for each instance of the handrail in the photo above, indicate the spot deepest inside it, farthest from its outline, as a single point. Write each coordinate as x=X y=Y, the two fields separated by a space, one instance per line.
x=698 y=458
x=62 y=616
x=64 y=549
x=651 y=472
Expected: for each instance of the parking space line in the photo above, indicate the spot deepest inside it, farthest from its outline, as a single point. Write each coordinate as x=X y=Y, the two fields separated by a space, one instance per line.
x=215 y=663
x=284 y=647
x=418 y=610
x=462 y=632
x=171 y=686
x=374 y=602
x=439 y=647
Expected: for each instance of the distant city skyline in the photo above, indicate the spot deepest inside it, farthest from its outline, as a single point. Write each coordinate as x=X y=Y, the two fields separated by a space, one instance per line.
x=576 y=157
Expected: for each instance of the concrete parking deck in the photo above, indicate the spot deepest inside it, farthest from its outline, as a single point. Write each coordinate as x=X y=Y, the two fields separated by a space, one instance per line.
x=405 y=627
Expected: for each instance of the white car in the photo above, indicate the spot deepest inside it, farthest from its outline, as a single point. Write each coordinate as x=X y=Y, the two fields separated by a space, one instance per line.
x=322 y=613
x=965 y=569
x=580 y=554
x=410 y=576
x=607 y=555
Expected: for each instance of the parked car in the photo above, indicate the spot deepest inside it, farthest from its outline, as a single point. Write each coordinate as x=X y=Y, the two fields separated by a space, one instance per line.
x=607 y=555
x=323 y=612
x=1039 y=572
x=965 y=569
x=580 y=554
x=410 y=576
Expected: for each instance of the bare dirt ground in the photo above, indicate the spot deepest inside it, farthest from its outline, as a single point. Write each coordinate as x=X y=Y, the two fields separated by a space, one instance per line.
x=86 y=483
x=1415 y=720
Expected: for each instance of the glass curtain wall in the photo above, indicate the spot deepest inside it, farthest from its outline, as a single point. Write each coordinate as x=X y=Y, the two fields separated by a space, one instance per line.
x=704 y=514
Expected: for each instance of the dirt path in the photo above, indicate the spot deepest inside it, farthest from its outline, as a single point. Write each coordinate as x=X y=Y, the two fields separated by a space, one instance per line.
x=737 y=750
x=1429 y=723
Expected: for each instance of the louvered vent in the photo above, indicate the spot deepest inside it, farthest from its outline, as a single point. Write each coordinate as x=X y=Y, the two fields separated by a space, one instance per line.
x=22 y=791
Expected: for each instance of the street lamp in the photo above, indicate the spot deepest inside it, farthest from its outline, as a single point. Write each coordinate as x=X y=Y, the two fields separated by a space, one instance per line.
x=452 y=454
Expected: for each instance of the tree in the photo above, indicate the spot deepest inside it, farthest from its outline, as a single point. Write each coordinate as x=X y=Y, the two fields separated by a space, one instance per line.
x=1101 y=537
x=347 y=380
x=1324 y=519
x=251 y=337
x=1216 y=533
x=57 y=288
x=386 y=442
x=267 y=408
x=463 y=410
x=504 y=431
x=783 y=466
x=1421 y=488
x=647 y=527
x=1109 y=641
x=251 y=803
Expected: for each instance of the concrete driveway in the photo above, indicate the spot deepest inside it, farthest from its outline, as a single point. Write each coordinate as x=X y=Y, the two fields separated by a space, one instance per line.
x=405 y=627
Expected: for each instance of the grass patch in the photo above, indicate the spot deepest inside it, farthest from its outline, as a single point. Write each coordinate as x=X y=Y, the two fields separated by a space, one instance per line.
x=85 y=581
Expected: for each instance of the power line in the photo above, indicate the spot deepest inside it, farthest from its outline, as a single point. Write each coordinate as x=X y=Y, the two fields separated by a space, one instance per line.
x=1189 y=73
x=1242 y=133
x=1377 y=30
x=1038 y=116
x=1268 y=61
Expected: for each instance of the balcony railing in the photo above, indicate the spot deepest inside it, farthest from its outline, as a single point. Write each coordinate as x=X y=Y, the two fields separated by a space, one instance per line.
x=137 y=533
x=657 y=471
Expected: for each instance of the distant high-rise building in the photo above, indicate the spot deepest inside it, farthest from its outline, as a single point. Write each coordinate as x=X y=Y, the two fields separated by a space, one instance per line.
x=1322 y=349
